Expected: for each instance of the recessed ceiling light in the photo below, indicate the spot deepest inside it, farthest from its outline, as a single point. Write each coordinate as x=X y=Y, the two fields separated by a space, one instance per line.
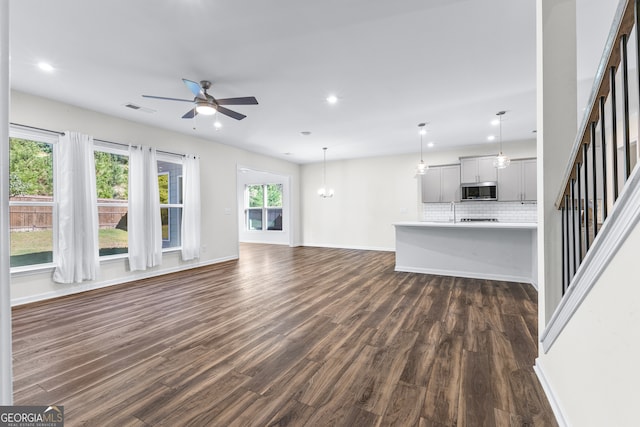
x=217 y=124
x=45 y=66
x=491 y=137
x=430 y=144
x=332 y=99
x=495 y=122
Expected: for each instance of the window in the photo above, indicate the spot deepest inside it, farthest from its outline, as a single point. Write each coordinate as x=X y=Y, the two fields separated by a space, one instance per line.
x=170 y=189
x=33 y=205
x=32 y=208
x=112 y=186
x=264 y=207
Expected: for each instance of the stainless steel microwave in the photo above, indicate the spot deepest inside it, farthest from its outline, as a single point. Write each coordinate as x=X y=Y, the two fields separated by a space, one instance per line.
x=479 y=191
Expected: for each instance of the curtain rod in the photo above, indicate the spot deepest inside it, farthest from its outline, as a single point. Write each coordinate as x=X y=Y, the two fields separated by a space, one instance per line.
x=95 y=139
x=36 y=128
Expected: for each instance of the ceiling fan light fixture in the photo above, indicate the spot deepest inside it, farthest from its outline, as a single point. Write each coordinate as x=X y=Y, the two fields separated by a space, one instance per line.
x=206 y=104
x=205 y=108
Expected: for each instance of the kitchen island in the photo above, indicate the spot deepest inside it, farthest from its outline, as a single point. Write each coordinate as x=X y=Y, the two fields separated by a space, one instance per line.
x=482 y=250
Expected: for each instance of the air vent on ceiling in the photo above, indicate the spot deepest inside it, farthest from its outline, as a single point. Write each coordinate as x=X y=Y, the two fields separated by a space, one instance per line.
x=137 y=107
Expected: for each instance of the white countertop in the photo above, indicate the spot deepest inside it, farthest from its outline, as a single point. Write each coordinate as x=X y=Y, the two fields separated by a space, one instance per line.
x=474 y=224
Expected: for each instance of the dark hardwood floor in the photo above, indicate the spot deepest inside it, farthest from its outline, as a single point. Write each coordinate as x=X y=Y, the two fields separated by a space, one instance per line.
x=286 y=336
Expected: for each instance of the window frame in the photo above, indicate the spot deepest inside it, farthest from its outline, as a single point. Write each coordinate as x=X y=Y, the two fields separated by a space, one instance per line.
x=48 y=138
x=264 y=209
x=177 y=159
x=118 y=150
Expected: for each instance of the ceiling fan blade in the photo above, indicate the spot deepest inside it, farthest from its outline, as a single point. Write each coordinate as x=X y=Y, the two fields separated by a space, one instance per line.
x=190 y=114
x=195 y=88
x=230 y=113
x=167 y=99
x=247 y=100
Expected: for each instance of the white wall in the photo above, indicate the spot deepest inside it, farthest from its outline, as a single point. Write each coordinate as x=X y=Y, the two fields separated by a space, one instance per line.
x=370 y=194
x=592 y=367
x=556 y=125
x=373 y=193
x=593 y=23
x=218 y=177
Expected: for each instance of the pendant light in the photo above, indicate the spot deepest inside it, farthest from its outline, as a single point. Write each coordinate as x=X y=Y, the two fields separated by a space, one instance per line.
x=323 y=191
x=422 y=168
x=501 y=161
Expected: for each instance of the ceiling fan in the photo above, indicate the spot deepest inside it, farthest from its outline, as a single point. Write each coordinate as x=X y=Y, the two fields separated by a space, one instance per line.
x=206 y=104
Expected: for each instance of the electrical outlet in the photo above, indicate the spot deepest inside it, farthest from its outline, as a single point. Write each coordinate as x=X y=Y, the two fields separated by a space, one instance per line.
x=227 y=211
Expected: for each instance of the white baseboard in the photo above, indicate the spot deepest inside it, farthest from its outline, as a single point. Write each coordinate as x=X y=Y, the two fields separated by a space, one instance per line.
x=471 y=275
x=551 y=396
x=84 y=287
x=262 y=242
x=360 y=248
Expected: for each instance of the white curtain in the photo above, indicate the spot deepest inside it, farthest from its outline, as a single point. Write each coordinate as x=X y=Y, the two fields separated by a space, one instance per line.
x=191 y=208
x=78 y=257
x=143 y=220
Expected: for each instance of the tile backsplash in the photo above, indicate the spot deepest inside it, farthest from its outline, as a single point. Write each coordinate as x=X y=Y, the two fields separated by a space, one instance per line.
x=503 y=211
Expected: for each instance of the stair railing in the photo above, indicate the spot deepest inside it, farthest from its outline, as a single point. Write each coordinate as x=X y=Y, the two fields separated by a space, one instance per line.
x=604 y=155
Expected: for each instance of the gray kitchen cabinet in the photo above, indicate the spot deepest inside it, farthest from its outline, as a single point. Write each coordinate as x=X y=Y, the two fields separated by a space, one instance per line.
x=517 y=182
x=431 y=185
x=509 y=182
x=441 y=184
x=477 y=169
x=529 y=179
x=450 y=184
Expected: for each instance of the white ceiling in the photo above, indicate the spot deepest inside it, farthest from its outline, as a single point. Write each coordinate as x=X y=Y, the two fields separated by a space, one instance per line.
x=393 y=64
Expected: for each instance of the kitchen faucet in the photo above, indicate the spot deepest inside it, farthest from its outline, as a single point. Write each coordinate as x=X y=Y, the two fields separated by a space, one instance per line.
x=453 y=208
